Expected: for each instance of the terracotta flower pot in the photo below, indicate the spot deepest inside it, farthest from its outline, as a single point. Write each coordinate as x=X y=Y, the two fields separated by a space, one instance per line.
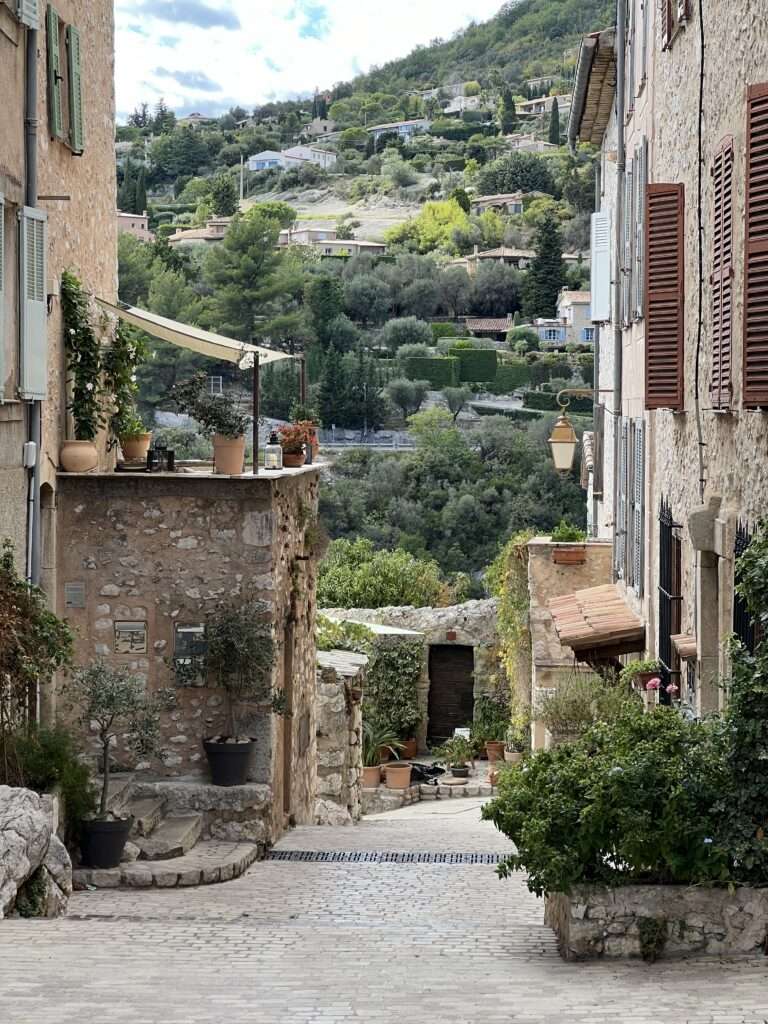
x=641 y=680
x=569 y=555
x=398 y=776
x=135 y=448
x=371 y=776
x=513 y=756
x=293 y=460
x=493 y=776
x=495 y=750
x=410 y=749
x=228 y=454
x=78 y=456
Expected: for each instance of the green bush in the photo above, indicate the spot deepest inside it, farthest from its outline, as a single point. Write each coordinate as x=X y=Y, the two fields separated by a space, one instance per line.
x=547 y=401
x=440 y=371
x=444 y=331
x=510 y=414
x=355 y=575
x=476 y=364
x=631 y=801
x=510 y=375
x=565 y=531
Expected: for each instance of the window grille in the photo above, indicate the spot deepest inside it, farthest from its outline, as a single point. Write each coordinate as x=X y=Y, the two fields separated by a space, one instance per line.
x=670 y=597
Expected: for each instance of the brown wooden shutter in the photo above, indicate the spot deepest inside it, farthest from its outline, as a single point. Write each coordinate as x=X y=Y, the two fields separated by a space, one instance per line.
x=666 y=23
x=720 y=388
x=756 y=256
x=664 y=296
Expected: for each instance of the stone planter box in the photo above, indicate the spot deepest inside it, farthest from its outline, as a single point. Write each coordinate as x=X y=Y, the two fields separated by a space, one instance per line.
x=594 y=922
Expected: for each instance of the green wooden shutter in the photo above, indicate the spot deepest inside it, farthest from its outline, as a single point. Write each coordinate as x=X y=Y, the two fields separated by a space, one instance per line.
x=2 y=297
x=32 y=290
x=76 y=128
x=55 y=118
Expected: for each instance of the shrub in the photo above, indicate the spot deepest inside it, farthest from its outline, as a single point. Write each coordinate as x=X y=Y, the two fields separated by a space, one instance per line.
x=492 y=715
x=579 y=701
x=509 y=376
x=631 y=801
x=444 y=331
x=355 y=575
x=440 y=371
x=565 y=531
x=523 y=339
x=476 y=364
x=548 y=402
x=407 y=330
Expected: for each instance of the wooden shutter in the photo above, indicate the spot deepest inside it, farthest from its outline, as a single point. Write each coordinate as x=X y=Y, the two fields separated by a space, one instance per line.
x=641 y=182
x=638 y=506
x=664 y=296
x=32 y=290
x=2 y=297
x=76 y=128
x=683 y=10
x=28 y=12
x=620 y=548
x=628 y=231
x=756 y=257
x=666 y=23
x=55 y=118
x=600 y=270
x=722 y=276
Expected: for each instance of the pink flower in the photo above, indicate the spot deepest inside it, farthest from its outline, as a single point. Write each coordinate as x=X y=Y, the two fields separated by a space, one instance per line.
x=673 y=689
x=653 y=684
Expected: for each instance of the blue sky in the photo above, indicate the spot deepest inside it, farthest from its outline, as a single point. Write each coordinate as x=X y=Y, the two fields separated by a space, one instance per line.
x=207 y=55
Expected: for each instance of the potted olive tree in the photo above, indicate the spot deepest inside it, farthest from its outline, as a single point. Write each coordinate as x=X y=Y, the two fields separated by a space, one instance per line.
x=133 y=435
x=113 y=702
x=240 y=656
x=223 y=416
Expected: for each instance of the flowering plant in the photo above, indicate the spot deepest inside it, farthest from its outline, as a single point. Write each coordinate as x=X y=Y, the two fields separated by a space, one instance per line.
x=293 y=436
x=83 y=352
x=653 y=684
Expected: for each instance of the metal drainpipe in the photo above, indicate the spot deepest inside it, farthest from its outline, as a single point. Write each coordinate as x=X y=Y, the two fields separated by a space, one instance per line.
x=34 y=422
x=621 y=31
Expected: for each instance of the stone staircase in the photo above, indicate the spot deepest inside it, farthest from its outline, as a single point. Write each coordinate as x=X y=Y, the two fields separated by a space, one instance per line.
x=173 y=844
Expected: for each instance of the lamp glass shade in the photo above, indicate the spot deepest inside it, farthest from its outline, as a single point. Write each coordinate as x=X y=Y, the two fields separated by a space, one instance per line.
x=563 y=444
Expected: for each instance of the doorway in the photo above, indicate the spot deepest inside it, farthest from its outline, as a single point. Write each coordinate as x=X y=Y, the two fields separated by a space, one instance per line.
x=451 y=690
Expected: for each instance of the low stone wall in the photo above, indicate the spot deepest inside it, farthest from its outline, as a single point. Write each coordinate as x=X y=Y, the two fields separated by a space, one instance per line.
x=230 y=813
x=340 y=680
x=658 y=921
x=35 y=869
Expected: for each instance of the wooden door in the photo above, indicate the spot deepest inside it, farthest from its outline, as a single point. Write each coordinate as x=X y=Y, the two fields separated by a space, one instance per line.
x=451 y=690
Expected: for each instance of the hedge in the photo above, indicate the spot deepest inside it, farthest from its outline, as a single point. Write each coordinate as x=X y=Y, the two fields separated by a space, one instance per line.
x=440 y=371
x=547 y=401
x=510 y=376
x=477 y=364
x=444 y=331
x=510 y=414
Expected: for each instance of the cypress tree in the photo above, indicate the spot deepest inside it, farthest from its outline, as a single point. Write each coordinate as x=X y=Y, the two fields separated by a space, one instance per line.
x=546 y=275
x=554 y=123
x=140 y=192
x=126 y=196
x=332 y=392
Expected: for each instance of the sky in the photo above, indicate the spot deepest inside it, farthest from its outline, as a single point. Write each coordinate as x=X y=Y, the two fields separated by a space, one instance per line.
x=208 y=55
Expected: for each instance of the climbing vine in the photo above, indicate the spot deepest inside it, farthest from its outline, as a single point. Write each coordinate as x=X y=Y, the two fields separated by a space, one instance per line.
x=507 y=578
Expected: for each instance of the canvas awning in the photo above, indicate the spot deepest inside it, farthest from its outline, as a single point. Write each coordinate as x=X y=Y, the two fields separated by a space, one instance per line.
x=597 y=623
x=193 y=338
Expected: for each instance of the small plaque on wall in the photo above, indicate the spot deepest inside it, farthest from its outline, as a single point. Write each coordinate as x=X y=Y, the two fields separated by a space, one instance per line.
x=130 y=638
x=74 y=595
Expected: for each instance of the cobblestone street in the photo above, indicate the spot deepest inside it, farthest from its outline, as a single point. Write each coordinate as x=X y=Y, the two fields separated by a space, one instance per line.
x=349 y=941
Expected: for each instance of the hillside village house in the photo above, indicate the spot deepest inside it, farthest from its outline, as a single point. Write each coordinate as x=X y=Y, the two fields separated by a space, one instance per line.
x=134 y=561
x=528 y=143
x=136 y=224
x=318 y=128
x=214 y=231
x=681 y=386
x=512 y=257
x=324 y=240
x=505 y=202
x=405 y=129
x=268 y=159
x=543 y=105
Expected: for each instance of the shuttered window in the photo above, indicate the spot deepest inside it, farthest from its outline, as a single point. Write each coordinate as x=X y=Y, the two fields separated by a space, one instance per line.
x=32 y=288
x=664 y=296
x=641 y=183
x=55 y=78
x=620 y=533
x=637 y=512
x=722 y=276
x=28 y=12
x=601 y=267
x=627 y=274
x=2 y=296
x=75 y=91
x=674 y=14
x=756 y=257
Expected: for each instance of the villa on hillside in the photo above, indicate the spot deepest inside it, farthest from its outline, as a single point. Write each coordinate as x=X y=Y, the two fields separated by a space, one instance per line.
x=405 y=129
x=136 y=224
x=214 y=231
x=512 y=257
x=543 y=105
x=504 y=202
x=296 y=156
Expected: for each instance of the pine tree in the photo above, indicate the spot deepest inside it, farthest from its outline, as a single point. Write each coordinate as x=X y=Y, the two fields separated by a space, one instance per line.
x=554 y=124
x=126 y=196
x=140 y=191
x=507 y=111
x=332 y=392
x=324 y=296
x=546 y=275
x=224 y=196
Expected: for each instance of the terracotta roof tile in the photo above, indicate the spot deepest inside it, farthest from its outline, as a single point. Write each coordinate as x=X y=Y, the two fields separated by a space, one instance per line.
x=597 y=618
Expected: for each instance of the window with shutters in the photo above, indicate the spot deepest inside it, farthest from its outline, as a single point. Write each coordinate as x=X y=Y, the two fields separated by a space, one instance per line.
x=675 y=14
x=721 y=279
x=664 y=296
x=33 y=363
x=755 y=355
x=636 y=509
x=65 y=85
x=600 y=271
x=627 y=270
x=620 y=531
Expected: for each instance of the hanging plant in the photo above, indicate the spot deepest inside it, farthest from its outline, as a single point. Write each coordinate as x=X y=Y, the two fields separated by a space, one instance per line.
x=83 y=352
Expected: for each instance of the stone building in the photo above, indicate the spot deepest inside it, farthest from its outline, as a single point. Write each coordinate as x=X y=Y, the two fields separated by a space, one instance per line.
x=57 y=211
x=680 y=242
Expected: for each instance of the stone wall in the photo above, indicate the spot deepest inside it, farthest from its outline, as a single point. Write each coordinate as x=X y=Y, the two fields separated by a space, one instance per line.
x=159 y=551
x=340 y=683
x=547 y=579
x=597 y=922
x=35 y=869
x=472 y=624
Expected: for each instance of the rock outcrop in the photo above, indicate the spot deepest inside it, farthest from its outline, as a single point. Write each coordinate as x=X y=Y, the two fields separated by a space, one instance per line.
x=35 y=869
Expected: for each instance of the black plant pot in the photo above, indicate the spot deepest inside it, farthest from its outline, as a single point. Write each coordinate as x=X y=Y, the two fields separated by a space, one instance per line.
x=228 y=762
x=102 y=842
x=459 y=772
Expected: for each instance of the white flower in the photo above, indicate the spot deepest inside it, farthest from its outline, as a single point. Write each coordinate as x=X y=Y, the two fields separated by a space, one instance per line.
x=133 y=377
x=71 y=330
x=89 y=386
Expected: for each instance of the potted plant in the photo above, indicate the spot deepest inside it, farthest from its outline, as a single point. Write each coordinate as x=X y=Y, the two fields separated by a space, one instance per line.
x=569 y=544
x=306 y=414
x=293 y=438
x=83 y=354
x=219 y=415
x=376 y=738
x=133 y=436
x=517 y=735
x=491 y=720
x=455 y=752
x=638 y=673
x=410 y=748
x=240 y=654
x=113 y=702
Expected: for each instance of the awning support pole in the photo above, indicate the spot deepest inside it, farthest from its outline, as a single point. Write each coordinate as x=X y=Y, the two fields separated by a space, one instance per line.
x=303 y=379
x=256 y=411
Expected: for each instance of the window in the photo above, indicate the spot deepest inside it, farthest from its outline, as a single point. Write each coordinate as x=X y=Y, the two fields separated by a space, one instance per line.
x=588 y=334
x=551 y=334
x=216 y=385
x=601 y=266
x=65 y=88
x=755 y=360
x=629 y=550
x=722 y=276
x=744 y=626
x=664 y=287
x=674 y=15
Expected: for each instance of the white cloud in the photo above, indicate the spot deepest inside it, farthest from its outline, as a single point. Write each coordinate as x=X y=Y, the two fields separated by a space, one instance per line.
x=282 y=47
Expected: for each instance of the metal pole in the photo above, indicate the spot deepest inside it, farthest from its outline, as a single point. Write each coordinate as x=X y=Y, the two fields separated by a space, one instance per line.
x=303 y=380
x=34 y=425
x=256 y=411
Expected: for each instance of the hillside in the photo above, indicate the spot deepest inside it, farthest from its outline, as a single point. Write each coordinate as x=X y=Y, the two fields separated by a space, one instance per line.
x=527 y=38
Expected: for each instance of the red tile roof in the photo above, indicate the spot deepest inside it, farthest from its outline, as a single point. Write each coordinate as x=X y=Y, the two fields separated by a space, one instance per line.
x=597 y=619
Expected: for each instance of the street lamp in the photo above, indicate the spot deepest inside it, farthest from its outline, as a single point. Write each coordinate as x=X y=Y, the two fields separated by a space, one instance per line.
x=563 y=440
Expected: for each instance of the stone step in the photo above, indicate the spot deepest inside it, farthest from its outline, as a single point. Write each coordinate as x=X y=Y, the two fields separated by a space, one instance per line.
x=147 y=814
x=210 y=861
x=173 y=837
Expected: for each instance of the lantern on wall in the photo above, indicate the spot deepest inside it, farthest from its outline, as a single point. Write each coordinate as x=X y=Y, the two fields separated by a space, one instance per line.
x=563 y=443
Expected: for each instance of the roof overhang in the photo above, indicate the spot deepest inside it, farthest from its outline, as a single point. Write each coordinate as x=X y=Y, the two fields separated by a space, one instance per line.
x=597 y=624
x=594 y=88
x=205 y=343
